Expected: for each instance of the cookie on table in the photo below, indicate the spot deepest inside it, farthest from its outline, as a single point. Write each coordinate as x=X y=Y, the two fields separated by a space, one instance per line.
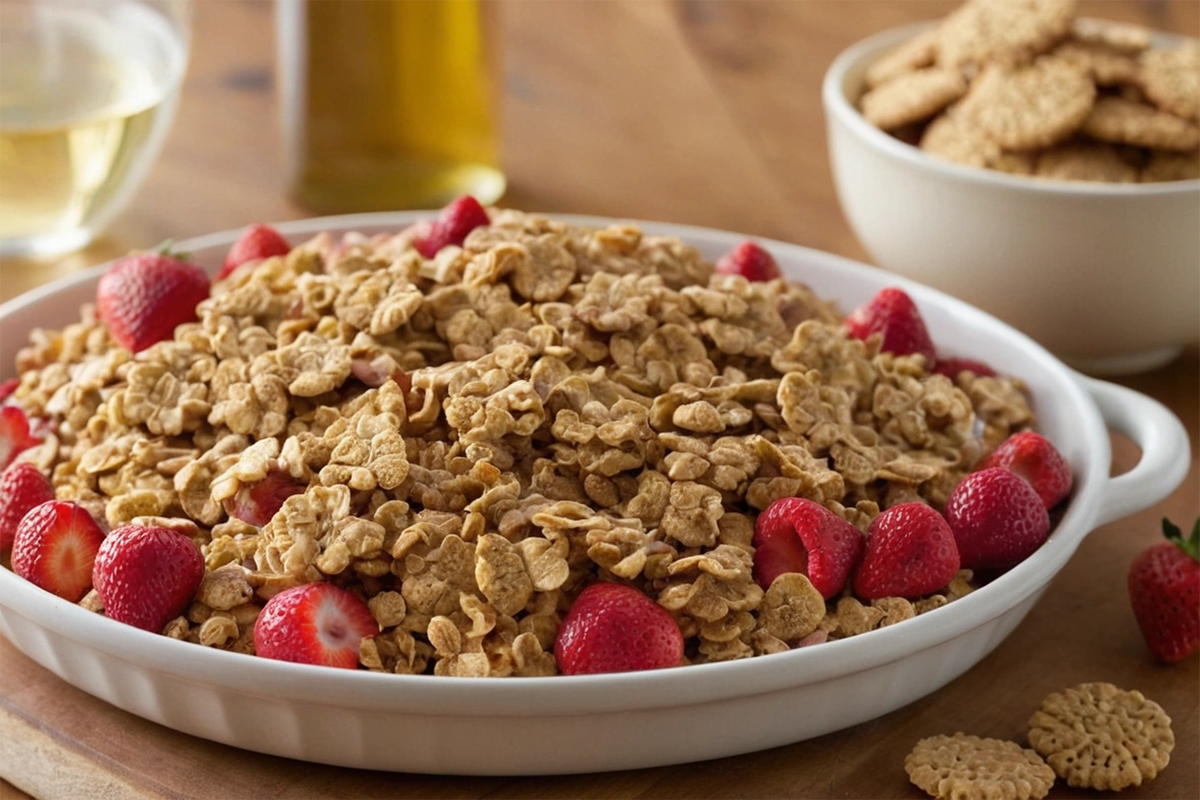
x=916 y=53
x=1171 y=79
x=1165 y=165
x=1033 y=106
x=1097 y=736
x=1085 y=161
x=912 y=97
x=981 y=31
x=1115 y=119
x=971 y=768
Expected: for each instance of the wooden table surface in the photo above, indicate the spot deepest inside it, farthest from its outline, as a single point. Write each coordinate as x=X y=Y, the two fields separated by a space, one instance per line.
x=699 y=112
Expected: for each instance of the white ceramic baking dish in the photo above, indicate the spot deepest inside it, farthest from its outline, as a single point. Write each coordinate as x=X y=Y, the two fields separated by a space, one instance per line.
x=604 y=722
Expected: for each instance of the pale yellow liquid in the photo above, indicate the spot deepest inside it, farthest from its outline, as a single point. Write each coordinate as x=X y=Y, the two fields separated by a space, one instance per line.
x=397 y=107
x=83 y=106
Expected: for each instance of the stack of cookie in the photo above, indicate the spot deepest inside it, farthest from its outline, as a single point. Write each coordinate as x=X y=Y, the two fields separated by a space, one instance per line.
x=1024 y=87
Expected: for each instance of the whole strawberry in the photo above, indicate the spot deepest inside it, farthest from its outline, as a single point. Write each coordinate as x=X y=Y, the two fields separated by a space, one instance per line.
x=55 y=546
x=147 y=576
x=750 y=261
x=894 y=316
x=143 y=297
x=22 y=487
x=612 y=627
x=910 y=553
x=452 y=225
x=256 y=243
x=1164 y=590
x=794 y=534
x=1031 y=456
x=15 y=435
x=317 y=623
x=997 y=518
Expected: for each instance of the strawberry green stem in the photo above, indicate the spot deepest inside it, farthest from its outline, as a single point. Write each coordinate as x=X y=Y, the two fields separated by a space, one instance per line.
x=1190 y=545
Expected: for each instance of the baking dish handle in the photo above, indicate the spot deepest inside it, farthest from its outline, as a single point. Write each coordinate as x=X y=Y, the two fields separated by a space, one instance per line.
x=1166 y=454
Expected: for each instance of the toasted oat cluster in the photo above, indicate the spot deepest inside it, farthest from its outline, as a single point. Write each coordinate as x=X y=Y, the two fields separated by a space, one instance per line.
x=467 y=441
x=1023 y=87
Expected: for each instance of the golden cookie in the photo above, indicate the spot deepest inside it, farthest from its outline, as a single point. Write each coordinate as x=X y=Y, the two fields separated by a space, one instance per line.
x=1015 y=163
x=953 y=137
x=1119 y=36
x=1171 y=79
x=970 y=768
x=917 y=53
x=1010 y=30
x=912 y=97
x=1085 y=161
x=1115 y=119
x=1029 y=107
x=1097 y=736
x=1106 y=66
x=1167 y=166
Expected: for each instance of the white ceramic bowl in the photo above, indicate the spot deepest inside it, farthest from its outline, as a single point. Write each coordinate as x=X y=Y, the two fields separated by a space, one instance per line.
x=603 y=722
x=1107 y=276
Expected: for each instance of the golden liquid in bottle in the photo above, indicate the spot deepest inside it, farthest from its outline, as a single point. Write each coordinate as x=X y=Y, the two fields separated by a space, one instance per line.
x=83 y=107
x=393 y=104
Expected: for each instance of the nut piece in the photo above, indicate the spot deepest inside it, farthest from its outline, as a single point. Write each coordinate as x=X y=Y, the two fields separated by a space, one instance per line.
x=1097 y=736
x=970 y=768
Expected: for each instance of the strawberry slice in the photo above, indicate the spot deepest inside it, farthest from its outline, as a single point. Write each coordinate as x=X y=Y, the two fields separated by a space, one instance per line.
x=22 y=487
x=910 y=553
x=147 y=576
x=750 y=261
x=143 y=297
x=257 y=503
x=950 y=367
x=612 y=627
x=795 y=534
x=55 y=547
x=894 y=316
x=452 y=225
x=15 y=436
x=317 y=623
x=997 y=518
x=256 y=243
x=1035 y=459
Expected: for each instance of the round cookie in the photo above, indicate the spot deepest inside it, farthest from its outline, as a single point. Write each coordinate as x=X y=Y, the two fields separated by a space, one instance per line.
x=1107 y=66
x=1168 y=166
x=1014 y=30
x=917 y=53
x=953 y=137
x=912 y=97
x=1115 y=119
x=972 y=768
x=1030 y=107
x=1171 y=79
x=1097 y=736
x=1085 y=161
x=1119 y=36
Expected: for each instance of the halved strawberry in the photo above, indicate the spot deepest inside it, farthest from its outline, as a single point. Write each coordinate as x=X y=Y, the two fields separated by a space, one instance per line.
x=256 y=243
x=1035 y=459
x=146 y=576
x=143 y=297
x=55 y=547
x=750 y=261
x=257 y=503
x=452 y=225
x=317 y=623
x=22 y=487
x=15 y=436
x=894 y=316
x=794 y=534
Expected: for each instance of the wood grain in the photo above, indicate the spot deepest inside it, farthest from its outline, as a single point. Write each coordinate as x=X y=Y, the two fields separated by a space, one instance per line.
x=694 y=111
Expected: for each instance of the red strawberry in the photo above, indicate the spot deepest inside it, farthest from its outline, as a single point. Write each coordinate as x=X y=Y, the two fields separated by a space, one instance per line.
x=257 y=503
x=15 y=436
x=452 y=225
x=750 y=261
x=910 y=553
x=256 y=243
x=997 y=519
x=147 y=576
x=950 y=367
x=1032 y=457
x=8 y=387
x=612 y=627
x=22 y=486
x=892 y=314
x=1164 y=590
x=55 y=546
x=143 y=297
x=317 y=623
x=794 y=534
